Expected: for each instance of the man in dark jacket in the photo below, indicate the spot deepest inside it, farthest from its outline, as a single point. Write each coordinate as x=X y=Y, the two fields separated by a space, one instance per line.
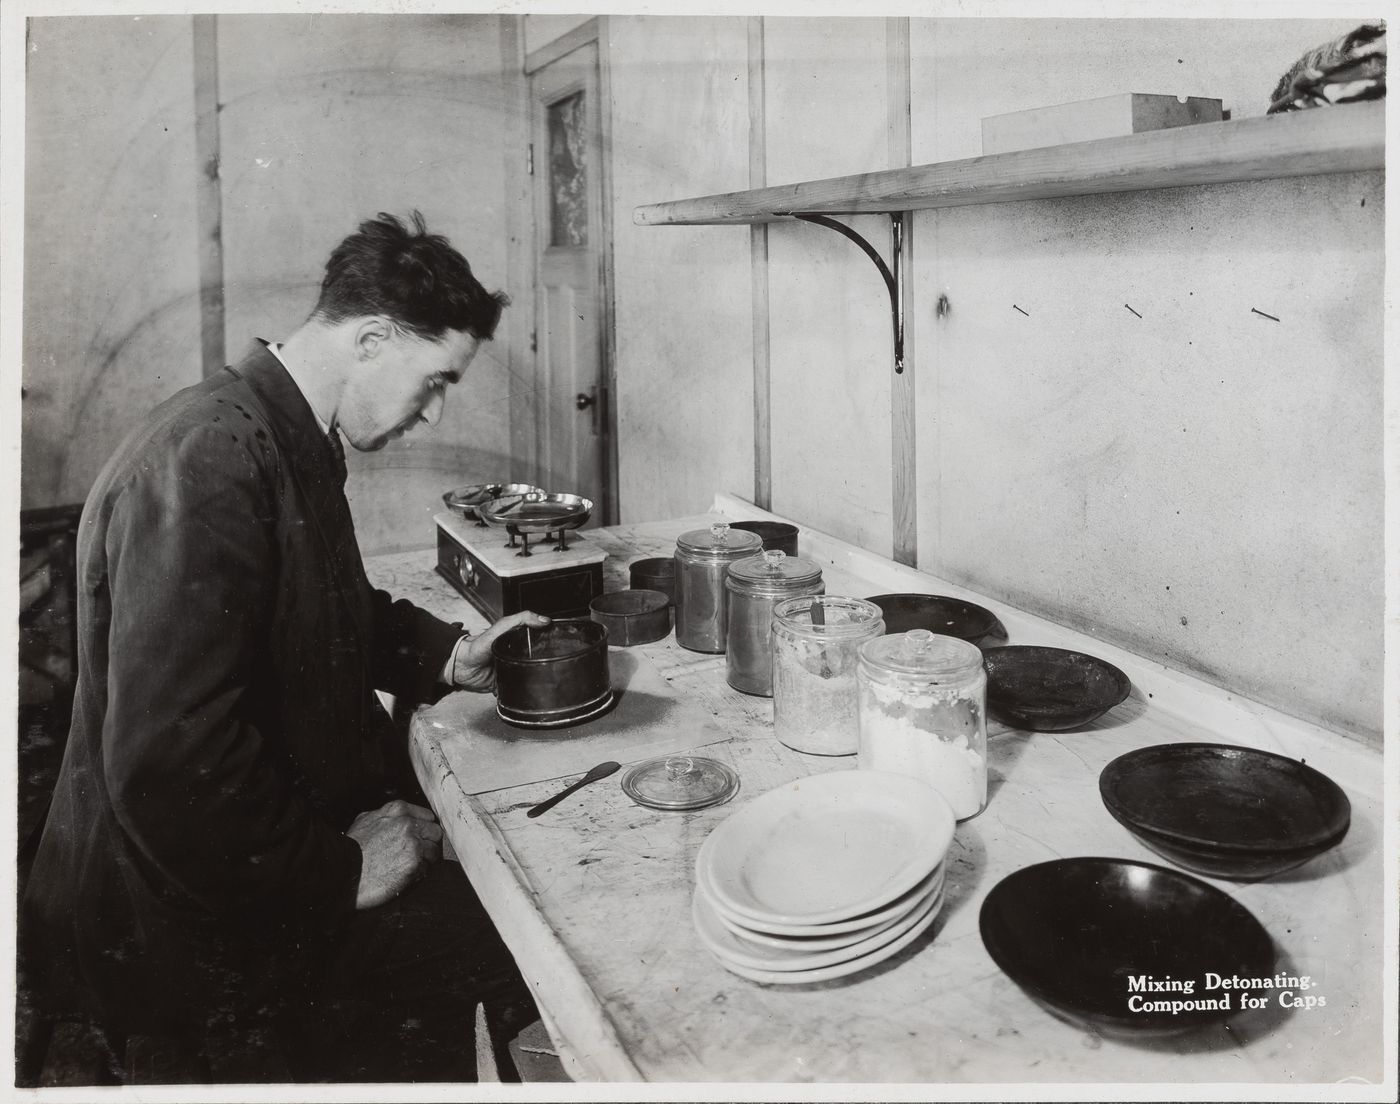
x=234 y=841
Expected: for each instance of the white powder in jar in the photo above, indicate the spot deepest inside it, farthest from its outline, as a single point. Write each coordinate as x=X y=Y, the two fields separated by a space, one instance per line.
x=814 y=696
x=951 y=766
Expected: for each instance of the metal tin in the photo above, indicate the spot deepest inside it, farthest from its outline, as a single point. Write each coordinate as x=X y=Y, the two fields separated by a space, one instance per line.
x=816 y=646
x=680 y=782
x=654 y=573
x=922 y=707
x=552 y=676
x=632 y=616
x=702 y=559
x=753 y=585
x=781 y=535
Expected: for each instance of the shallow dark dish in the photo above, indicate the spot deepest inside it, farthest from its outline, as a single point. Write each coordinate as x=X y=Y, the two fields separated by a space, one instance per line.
x=552 y=676
x=1075 y=933
x=632 y=616
x=774 y=534
x=1050 y=689
x=1225 y=810
x=938 y=614
x=654 y=573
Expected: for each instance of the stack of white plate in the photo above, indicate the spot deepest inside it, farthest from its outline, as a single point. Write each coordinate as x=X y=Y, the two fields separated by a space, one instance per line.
x=823 y=877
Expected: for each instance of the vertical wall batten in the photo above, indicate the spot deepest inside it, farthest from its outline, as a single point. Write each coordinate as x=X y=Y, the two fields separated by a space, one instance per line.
x=758 y=267
x=519 y=259
x=209 y=197
x=612 y=507
x=903 y=484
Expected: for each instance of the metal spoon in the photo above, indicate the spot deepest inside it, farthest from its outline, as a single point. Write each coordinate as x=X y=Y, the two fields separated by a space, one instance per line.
x=818 y=612
x=602 y=770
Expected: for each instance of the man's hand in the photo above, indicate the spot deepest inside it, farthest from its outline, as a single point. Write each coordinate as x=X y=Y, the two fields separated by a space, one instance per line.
x=473 y=669
x=397 y=842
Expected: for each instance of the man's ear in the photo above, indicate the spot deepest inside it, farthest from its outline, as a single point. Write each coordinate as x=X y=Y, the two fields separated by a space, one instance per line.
x=370 y=336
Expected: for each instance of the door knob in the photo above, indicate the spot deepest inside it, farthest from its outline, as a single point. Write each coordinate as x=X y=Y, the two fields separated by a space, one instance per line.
x=583 y=401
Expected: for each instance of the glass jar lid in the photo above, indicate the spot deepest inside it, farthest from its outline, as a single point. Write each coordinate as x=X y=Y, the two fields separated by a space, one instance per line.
x=918 y=652
x=773 y=571
x=719 y=542
x=680 y=782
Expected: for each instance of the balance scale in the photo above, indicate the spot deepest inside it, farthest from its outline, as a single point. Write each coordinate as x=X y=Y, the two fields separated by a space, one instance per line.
x=500 y=573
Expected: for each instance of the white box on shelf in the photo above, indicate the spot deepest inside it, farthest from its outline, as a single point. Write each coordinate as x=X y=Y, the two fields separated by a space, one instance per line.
x=1085 y=120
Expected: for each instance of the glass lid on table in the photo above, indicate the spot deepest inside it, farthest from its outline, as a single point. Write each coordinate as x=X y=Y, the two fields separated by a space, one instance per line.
x=680 y=782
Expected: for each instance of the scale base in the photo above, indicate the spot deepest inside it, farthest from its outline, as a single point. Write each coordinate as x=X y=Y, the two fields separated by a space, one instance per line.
x=489 y=575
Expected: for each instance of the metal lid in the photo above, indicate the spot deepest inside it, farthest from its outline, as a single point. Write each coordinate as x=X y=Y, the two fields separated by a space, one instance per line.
x=680 y=782
x=719 y=542
x=773 y=572
x=922 y=653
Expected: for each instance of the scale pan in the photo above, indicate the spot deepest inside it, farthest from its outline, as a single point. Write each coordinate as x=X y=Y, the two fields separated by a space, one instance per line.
x=537 y=512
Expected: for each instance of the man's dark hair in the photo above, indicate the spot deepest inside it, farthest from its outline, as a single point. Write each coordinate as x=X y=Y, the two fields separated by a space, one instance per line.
x=410 y=276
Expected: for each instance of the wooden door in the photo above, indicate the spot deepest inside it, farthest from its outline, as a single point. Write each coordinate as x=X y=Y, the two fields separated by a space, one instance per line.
x=571 y=410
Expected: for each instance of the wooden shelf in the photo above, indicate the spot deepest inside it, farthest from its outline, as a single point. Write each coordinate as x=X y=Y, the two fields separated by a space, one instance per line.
x=1347 y=138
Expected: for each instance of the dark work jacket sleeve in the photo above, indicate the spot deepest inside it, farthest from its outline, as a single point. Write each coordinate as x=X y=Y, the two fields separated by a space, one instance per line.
x=198 y=789
x=410 y=648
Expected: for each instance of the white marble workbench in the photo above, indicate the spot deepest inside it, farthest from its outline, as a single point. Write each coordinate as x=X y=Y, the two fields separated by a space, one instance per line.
x=594 y=898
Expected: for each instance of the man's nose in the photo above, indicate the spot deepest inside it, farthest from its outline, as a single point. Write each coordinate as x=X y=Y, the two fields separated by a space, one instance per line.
x=432 y=409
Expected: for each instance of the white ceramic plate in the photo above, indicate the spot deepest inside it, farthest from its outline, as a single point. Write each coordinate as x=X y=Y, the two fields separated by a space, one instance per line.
x=824 y=936
x=826 y=848
x=840 y=969
x=733 y=949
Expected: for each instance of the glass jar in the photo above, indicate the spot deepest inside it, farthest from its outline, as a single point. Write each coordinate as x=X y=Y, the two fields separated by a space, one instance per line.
x=816 y=645
x=922 y=706
x=752 y=586
x=702 y=559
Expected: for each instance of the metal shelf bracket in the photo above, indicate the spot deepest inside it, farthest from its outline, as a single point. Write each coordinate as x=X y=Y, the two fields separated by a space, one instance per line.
x=893 y=274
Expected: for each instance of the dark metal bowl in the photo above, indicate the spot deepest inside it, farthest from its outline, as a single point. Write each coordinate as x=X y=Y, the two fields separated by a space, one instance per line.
x=632 y=616
x=938 y=614
x=1225 y=810
x=774 y=534
x=1075 y=933
x=654 y=573
x=1050 y=689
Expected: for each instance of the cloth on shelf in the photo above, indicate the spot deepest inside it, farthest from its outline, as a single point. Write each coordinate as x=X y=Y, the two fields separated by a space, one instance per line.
x=1347 y=69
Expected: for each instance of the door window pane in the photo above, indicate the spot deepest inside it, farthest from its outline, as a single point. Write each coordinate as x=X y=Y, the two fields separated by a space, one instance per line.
x=568 y=209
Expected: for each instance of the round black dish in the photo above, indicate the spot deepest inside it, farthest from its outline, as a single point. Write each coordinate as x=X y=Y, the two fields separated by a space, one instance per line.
x=1085 y=935
x=1050 y=689
x=1225 y=810
x=938 y=614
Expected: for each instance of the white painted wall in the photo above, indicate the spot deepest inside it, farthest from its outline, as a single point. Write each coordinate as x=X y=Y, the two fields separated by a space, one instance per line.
x=328 y=120
x=1202 y=485
x=829 y=321
x=111 y=303
x=683 y=295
